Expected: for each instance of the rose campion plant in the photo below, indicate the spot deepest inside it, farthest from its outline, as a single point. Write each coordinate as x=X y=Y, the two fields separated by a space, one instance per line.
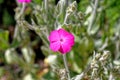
x=24 y=1
x=61 y=40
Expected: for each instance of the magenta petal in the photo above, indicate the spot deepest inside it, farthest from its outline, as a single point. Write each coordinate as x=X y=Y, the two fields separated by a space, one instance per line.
x=26 y=1
x=55 y=46
x=65 y=48
x=54 y=36
x=61 y=50
x=63 y=33
x=70 y=39
x=70 y=42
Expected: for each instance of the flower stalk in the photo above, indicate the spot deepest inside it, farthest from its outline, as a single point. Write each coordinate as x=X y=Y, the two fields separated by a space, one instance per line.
x=66 y=66
x=22 y=10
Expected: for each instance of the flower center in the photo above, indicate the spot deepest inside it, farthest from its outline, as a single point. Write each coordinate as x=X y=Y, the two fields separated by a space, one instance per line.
x=61 y=40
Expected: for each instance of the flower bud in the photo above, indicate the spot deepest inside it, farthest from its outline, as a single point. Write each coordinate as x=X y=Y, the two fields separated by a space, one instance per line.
x=71 y=8
x=105 y=56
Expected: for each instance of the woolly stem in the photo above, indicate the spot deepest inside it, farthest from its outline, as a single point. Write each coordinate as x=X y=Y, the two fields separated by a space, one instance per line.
x=46 y=5
x=93 y=15
x=22 y=10
x=65 y=19
x=66 y=67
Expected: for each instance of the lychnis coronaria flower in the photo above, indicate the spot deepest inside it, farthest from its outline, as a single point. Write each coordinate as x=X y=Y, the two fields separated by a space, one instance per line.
x=61 y=40
x=24 y=1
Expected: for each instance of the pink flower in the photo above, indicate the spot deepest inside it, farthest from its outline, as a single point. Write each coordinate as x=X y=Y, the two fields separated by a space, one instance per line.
x=24 y=1
x=61 y=40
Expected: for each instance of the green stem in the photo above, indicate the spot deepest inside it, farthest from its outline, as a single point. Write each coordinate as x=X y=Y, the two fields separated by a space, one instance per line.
x=66 y=67
x=93 y=15
x=22 y=10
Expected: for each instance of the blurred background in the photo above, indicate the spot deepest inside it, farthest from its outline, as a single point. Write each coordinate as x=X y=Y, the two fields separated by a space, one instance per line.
x=27 y=57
